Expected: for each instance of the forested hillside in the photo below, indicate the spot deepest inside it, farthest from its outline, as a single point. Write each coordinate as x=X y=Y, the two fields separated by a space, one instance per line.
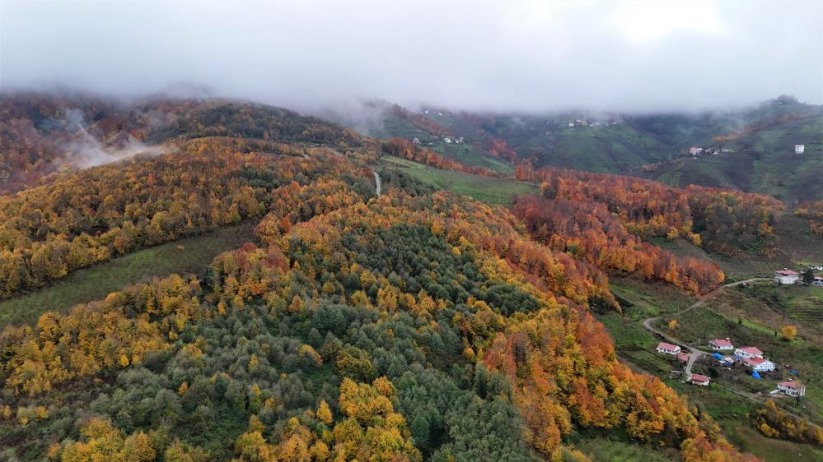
x=755 y=145
x=412 y=325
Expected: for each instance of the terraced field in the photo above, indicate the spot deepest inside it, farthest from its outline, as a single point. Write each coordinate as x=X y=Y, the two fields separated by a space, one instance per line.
x=807 y=309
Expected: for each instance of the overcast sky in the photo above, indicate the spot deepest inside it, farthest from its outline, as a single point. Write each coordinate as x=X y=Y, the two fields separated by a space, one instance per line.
x=473 y=54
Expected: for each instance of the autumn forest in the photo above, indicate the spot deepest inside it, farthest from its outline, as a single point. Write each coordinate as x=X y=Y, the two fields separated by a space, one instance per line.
x=416 y=324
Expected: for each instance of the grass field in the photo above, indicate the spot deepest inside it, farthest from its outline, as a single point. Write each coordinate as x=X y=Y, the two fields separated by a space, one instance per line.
x=485 y=189
x=607 y=449
x=191 y=255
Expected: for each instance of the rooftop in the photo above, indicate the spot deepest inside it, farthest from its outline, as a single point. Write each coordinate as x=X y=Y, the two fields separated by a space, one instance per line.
x=667 y=346
x=790 y=384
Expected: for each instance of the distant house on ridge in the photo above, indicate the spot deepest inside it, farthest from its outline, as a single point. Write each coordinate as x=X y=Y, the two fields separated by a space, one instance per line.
x=799 y=148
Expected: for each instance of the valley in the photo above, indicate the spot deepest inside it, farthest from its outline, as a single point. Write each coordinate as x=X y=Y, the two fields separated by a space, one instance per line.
x=274 y=286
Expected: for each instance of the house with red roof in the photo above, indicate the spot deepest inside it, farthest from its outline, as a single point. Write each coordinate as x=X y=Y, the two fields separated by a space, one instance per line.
x=786 y=276
x=720 y=344
x=682 y=357
x=748 y=352
x=697 y=379
x=792 y=388
x=668 y=348
x=759 y=364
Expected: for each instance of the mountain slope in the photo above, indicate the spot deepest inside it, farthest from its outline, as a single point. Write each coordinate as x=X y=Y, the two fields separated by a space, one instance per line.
x=757 y=144
x=418 y=324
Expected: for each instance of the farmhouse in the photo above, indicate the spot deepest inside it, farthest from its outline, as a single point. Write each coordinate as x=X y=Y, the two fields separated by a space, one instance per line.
x=799 y=148
x=720 y=344
x=748 y=352
x=694 y=150
x=682 y=357
x=667 y=348
x=792 y=388
x=697 y=379
x=818 y=281
x=786 y=276
x=759 y=364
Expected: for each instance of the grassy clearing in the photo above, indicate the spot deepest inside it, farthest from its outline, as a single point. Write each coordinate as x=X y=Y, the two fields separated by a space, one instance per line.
x=471 y=155
x=485 y=189
x=644 y=299
x=191 y=255
x=605 y=448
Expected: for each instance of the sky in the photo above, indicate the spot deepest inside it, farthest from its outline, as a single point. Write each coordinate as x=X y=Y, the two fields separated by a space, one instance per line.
x=512 y=55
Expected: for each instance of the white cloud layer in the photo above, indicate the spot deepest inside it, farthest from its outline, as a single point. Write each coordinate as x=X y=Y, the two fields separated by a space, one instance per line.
x=474 y=54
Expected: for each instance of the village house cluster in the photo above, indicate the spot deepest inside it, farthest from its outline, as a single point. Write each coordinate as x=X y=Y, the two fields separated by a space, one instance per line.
x=591 y=123
x=697 y=151
x=446 y=139
x=725 y=353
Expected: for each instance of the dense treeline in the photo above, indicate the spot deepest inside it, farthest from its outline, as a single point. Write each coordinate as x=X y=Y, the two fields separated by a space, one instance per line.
x=395 y=328
x=776 y=423
x=722 y=220
x=587 y=231
x=354 y=327
x=41 y=134
x=813 y=211
x=49 y=232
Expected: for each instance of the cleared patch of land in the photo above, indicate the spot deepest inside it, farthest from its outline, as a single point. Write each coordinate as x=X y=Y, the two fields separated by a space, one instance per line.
x=190 y=255
x=485 y=189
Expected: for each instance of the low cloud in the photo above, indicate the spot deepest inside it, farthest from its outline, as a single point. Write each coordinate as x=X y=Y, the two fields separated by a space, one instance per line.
x=83 y=150
x=479 y=54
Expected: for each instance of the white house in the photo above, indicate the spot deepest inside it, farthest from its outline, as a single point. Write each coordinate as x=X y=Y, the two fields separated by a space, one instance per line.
x=748 y=352
x=792 y=388
x=571 y=124
x=786 y=276
x=694 y=150
x=759 y=364
x=667 y=348
x=697 y=379
x=799 y=148
x=720 y=344
x=447 y=140
x=416 y=140
x=818 y=281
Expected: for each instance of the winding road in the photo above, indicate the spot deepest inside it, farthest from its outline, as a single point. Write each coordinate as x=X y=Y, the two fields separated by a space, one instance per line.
x=694 y=352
